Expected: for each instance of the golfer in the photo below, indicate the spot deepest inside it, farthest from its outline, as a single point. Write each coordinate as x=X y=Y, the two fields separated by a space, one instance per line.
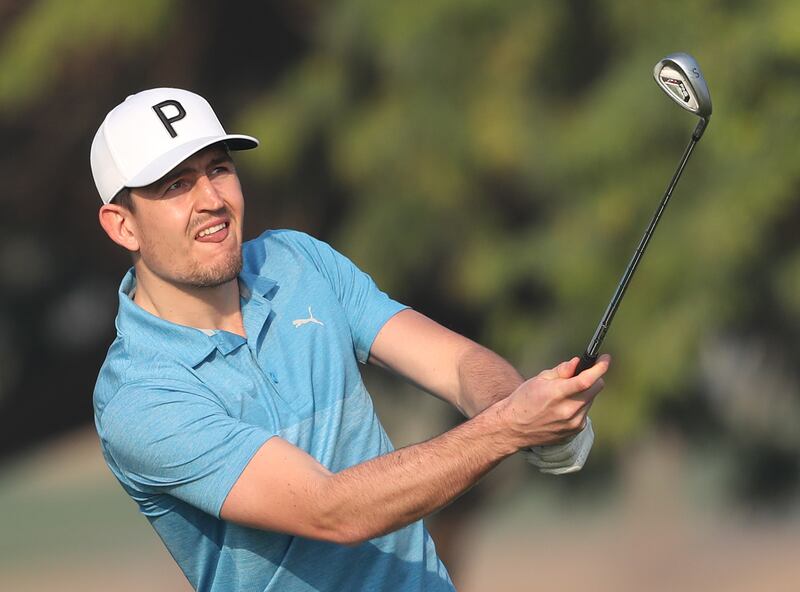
x=231 y=408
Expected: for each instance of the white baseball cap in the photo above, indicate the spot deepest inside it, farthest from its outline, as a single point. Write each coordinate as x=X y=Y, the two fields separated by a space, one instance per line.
x=152 y=132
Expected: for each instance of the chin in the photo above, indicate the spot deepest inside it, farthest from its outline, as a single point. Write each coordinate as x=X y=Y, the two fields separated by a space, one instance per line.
x=218 y=274
x=211 y=275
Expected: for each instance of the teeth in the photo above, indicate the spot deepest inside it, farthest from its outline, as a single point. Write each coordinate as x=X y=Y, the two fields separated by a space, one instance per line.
x=211 y=230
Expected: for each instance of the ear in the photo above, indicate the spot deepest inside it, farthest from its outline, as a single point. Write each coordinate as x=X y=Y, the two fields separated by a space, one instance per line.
x=120 y=226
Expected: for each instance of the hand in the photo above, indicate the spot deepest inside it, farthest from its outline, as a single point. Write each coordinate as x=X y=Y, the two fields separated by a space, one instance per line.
x=551 y=407
x=566 y=457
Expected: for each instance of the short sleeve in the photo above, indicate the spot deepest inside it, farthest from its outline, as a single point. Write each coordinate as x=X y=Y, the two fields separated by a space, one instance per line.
x=170 y=437
x=366 y=306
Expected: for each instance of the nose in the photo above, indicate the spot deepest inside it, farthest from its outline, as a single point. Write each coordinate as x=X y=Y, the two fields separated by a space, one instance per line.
x=207 y=197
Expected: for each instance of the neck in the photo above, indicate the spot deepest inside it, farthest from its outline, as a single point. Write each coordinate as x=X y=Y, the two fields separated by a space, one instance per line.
x=202 y=308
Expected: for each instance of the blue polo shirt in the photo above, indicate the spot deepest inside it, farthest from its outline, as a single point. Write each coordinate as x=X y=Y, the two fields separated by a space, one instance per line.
x=181 y=411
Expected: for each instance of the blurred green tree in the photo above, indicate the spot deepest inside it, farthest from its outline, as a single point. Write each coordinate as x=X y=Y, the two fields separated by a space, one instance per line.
x=492 y=164
x=499 y=162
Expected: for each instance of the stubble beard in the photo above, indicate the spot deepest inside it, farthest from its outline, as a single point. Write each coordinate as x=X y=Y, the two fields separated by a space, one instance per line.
x=195 y=274
x=213 y=276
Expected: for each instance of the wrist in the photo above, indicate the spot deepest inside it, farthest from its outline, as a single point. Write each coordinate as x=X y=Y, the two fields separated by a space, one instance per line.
x=503 y=434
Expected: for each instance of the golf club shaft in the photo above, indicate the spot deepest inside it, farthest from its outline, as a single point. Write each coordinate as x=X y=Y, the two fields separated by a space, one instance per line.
x=592 y=350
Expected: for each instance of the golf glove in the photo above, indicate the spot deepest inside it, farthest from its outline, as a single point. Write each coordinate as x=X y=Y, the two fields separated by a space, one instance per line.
x=567 y=457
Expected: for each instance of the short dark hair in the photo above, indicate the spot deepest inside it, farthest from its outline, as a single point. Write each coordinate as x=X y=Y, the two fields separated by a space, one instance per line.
x=123 y=198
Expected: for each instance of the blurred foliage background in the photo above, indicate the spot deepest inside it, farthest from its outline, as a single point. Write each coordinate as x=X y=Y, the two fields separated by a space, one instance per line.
x=492 y=164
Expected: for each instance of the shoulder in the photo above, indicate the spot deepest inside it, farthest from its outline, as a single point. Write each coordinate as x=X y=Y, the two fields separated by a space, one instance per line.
x=113 y=374
x=283 y=239
x=144 y=404
x=131 y=373
x=274 y=250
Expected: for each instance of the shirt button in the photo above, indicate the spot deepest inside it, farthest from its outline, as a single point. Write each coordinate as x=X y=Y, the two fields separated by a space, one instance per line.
x=273 y=377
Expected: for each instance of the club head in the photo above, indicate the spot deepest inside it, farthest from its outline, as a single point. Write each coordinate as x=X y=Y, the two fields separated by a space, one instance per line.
x=680 y=77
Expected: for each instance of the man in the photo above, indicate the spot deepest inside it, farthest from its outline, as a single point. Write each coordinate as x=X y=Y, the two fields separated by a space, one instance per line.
x=230 y=406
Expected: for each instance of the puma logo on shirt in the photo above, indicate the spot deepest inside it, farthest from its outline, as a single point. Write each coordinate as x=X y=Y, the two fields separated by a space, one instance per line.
x=310 y=319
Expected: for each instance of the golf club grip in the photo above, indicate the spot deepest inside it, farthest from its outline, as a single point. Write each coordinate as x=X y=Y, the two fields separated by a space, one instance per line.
x=587 y=361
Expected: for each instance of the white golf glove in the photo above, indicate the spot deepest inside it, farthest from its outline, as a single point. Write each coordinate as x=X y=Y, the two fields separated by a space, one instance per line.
x=568 y=457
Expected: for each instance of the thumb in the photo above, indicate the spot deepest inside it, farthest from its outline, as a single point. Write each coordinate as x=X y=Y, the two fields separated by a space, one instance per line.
x=567 y=369
x=562 y=370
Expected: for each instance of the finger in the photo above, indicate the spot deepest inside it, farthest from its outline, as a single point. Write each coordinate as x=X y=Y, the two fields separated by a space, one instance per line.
x=584 y=414
x=567 y=369
x=562 y=370
x=589 y=376
x=588 y=395
x=577 y=420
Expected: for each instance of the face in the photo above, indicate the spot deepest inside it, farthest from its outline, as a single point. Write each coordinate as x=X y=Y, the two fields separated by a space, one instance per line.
x=188 y=224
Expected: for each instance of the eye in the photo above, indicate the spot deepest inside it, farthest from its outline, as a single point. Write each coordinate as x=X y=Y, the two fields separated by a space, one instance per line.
x=174 y=186
x=220 y=169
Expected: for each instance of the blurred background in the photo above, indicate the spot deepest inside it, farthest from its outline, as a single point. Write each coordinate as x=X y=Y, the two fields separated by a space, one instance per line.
x=492 y=164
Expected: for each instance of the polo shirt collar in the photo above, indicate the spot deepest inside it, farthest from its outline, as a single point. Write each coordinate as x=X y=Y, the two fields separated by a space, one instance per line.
x=250 y=283
x=190 y=344
x=256 y=294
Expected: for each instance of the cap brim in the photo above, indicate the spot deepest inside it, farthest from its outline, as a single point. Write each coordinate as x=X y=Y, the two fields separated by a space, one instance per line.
x=166 y=162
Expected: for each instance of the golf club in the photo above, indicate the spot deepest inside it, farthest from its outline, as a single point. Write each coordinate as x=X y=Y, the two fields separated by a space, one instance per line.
x=680 y=77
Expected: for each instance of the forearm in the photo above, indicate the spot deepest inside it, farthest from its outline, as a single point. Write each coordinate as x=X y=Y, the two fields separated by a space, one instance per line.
x=443 y=363
x=285 y=489
x=483 y=379
x=396 y=489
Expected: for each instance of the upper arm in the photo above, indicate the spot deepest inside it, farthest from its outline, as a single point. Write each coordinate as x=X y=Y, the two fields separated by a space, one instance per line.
x=165 y=438
x=172 y=440
x=424 y=352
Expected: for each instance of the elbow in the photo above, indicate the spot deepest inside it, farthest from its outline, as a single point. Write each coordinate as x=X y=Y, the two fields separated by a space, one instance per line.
x=340 y=520
x=350 y=537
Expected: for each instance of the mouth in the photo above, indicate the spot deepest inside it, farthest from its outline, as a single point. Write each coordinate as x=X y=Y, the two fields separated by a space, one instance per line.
x=213 y=234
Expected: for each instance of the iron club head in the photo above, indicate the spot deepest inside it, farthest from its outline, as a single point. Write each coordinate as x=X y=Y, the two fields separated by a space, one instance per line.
x=680 y=77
